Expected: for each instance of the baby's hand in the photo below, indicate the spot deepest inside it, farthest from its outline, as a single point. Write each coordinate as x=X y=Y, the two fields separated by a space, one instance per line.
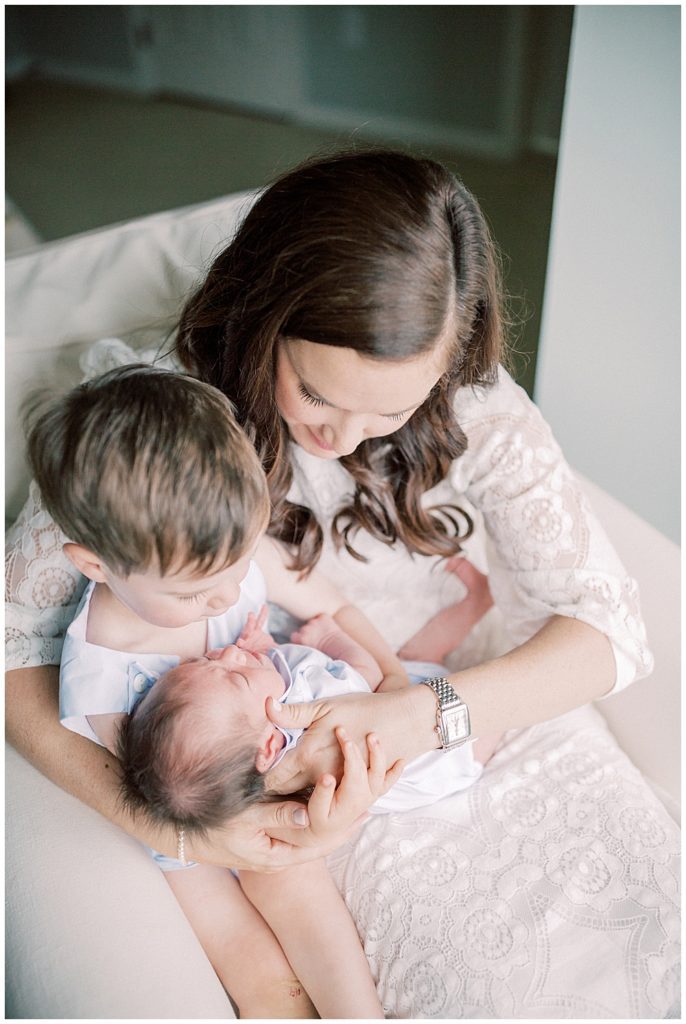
x=253 y=637
x=316 y=631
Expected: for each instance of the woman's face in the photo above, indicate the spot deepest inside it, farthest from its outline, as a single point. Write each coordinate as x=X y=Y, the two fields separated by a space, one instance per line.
x=333 y=398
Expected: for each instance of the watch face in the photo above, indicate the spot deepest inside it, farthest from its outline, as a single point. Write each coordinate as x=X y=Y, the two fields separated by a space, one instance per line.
x=456 y=725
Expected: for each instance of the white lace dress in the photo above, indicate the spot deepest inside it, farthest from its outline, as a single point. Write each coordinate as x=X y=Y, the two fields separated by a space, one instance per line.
x=548 y=889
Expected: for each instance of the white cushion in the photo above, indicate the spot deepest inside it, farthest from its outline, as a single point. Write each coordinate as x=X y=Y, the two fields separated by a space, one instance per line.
x=128 y=281
x=92 y=927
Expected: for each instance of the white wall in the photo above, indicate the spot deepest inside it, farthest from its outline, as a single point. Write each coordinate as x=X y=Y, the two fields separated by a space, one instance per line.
x=608 y=375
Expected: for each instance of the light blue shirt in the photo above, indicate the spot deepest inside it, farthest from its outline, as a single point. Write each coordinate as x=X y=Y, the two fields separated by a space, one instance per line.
x=96 y=680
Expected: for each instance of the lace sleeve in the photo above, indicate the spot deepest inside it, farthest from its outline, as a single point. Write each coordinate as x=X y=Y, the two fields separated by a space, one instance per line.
x=42 y=588
x=549 y=555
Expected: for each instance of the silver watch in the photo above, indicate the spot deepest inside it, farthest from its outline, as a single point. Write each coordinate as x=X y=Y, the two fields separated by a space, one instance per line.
x=452 y=715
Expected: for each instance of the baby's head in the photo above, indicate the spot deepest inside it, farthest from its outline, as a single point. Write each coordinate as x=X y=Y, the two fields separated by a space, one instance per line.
x=158 y=490
x=195 y=749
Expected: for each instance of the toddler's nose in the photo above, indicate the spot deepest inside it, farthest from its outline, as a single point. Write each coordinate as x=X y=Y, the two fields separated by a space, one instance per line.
x=225 y=598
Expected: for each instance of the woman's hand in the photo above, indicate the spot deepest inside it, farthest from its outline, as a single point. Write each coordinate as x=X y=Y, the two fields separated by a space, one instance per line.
x=403 y=720
x=272 y=836
x=267 y=837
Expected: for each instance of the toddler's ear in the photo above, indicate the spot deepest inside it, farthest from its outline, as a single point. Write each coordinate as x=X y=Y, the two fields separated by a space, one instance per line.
x=270 y=745
x=86 y=561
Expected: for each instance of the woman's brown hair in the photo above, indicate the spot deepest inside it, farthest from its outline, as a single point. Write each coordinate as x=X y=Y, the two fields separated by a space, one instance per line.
x=375 y=251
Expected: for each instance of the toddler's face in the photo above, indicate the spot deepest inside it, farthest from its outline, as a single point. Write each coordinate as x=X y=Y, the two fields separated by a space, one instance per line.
x=178 y=599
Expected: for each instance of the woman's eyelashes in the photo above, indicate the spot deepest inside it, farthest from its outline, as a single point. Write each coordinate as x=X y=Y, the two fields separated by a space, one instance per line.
x=311 y=399
x=307 y=397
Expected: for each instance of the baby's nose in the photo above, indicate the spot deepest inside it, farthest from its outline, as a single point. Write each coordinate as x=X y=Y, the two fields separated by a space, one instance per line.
x=230 y=655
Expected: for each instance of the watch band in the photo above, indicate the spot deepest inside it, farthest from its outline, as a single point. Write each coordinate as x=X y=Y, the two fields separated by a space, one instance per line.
x=452 y=714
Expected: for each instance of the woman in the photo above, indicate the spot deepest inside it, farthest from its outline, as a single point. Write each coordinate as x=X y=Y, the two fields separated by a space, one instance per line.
x=360 y=302
x=355 y=321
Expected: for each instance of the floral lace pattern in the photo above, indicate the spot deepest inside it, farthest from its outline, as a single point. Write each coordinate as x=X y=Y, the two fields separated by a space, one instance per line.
x=535 y=534
x=549 y=889
x=42 y=588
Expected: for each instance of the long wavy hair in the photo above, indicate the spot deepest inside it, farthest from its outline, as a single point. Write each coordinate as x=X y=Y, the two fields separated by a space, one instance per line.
x=376 y=251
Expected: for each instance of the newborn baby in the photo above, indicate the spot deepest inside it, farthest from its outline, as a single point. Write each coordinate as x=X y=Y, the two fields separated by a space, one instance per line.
x=197 y=746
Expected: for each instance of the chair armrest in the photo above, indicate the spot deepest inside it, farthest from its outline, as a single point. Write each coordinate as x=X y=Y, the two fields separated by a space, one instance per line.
x=53 y=884
x=646 y=717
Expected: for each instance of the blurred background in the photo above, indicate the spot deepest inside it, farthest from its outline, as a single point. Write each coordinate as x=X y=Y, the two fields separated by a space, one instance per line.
x=563 y=121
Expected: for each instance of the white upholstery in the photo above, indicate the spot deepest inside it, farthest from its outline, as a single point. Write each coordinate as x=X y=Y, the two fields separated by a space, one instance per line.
x=125 y=949
x=646 y=718
x=126 y=281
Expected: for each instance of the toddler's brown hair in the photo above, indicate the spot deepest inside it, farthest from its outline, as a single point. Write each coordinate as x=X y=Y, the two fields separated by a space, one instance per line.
x=148 y=469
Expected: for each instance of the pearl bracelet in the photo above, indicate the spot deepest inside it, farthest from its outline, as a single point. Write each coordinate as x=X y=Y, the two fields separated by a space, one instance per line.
x=181 y=847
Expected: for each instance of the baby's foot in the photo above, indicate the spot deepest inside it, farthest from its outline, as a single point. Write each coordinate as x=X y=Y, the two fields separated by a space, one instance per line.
x=317 y=631
x=449 y=627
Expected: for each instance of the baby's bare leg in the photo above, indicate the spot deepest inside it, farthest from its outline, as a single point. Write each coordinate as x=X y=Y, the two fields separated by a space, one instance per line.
x=446 y=630
x=307 y=914
x=241 y=947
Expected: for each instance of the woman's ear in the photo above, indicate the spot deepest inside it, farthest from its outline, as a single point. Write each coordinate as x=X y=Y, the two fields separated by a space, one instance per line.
x=86 y=561
x=270 y=745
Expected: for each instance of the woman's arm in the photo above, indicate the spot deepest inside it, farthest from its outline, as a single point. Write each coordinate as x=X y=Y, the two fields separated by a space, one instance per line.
x=267 y=837
x=566 y=664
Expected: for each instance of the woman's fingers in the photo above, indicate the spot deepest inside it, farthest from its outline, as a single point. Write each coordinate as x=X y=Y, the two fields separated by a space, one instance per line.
x=393 y=774
x=282 y=853
x=319 y=804
x=332 y=807
x=376 y=773
x=289 y=775
x=286 y=814
x=380 y=778
x=294 y=716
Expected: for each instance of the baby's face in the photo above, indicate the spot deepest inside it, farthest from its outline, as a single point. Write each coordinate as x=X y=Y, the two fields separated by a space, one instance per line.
x=245 y=679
